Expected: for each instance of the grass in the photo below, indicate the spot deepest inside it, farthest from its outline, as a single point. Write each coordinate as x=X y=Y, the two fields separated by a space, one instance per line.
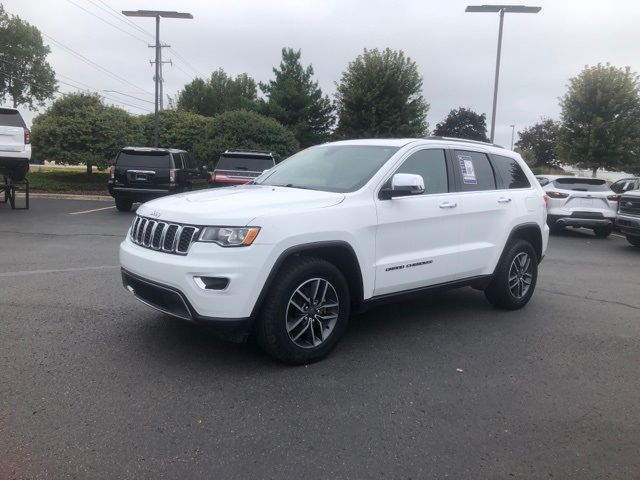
x=67 y=180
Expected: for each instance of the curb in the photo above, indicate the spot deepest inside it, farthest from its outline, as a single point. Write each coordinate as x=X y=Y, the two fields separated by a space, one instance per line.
x=68 y=196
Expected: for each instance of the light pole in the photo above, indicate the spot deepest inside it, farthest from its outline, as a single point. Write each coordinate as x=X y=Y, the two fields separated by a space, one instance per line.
x=156 y=14
x=502 y=9
x=513 y=131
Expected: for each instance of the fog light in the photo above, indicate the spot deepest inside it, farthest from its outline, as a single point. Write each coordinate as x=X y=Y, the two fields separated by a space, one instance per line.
x=212 y=283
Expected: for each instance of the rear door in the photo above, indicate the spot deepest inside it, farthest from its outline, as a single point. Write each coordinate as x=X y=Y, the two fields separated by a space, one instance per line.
x=484 y=209
x=145 y=170
x=12 y=129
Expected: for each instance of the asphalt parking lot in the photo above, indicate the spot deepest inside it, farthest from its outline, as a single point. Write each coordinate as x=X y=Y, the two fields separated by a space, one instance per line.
x=95 y=385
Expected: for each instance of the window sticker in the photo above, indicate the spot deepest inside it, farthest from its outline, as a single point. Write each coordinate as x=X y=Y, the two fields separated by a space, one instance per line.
x=466 y=167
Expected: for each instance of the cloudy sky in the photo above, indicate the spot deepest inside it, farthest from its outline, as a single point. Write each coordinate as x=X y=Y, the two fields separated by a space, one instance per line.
x=455 y=51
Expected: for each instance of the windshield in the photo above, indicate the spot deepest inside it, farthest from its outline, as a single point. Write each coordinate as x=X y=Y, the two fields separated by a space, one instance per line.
x=143 y=159
x=333 y=168
x=251 y=164
x=582 y=184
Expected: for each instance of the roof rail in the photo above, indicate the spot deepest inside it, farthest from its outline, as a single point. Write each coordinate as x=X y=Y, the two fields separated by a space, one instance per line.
x=463 y=140
x=259 y=152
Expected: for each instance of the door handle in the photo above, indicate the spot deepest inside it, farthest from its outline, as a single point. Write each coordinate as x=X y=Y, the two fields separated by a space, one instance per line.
x=448 y=205
x=504 y=200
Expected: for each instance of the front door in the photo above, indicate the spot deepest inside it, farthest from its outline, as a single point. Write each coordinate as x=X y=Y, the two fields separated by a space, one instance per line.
x=417 y=236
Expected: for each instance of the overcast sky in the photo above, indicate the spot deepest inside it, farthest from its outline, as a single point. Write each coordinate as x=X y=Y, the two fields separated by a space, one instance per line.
x=455 y=51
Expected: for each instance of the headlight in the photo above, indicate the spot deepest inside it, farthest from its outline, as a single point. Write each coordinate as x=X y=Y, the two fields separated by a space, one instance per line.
x=229 y=236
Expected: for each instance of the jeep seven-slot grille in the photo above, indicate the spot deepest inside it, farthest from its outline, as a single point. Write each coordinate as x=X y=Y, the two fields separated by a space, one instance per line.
x=163 y=236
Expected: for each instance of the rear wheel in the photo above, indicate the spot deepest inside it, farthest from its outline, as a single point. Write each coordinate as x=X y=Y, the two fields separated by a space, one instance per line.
x=305 y=312
x=633 y=240
x=514 y=279
x=123 y=204
x=603 y=232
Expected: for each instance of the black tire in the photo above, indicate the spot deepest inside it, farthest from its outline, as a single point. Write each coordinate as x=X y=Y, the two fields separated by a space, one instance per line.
x=123 y=205
x=499 y=292
x=602 y=232
x=271 y=325
x=633 y=240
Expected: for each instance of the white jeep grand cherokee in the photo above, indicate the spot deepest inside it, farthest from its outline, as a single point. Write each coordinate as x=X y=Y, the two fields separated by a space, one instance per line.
x=335 y=228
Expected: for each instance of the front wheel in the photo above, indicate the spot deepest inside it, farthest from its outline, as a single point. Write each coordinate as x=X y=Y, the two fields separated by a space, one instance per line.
x=305 y=312
x=633 y=240
x=515 y=277
x=123 y=205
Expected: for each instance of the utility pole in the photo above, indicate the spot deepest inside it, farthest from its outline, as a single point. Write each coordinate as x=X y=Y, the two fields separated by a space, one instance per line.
x=502 y=9
x=513 y=131
x=161 y=79
x=158 y=62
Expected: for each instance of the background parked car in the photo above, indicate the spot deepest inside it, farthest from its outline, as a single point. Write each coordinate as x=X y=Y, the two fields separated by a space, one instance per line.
x=581 y=202
x=15 y=145
x=140 y=174
x=236 y=167
x=626 y=185
x=628 y=220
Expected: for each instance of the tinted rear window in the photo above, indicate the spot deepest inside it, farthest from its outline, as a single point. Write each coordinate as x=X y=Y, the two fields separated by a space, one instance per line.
x=581 y=184
x=244 y=163
x=11 y=118
x=511 y=173
x=144 y=159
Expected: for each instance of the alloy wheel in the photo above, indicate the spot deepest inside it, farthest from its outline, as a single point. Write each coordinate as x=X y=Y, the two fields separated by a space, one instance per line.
x=520 y=275
x=312 y=312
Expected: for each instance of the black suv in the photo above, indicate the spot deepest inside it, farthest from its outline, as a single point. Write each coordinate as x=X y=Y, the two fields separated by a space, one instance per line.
x=236 y=167
x=140 y=174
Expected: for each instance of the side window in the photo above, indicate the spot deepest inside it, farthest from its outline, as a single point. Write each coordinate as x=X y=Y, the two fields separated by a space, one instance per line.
x=177 y=160
x=432 y=166
x=511 y=173
x=474 y=170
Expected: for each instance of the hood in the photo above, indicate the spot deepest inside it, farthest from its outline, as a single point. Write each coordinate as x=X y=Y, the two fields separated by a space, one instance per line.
x=236 y=206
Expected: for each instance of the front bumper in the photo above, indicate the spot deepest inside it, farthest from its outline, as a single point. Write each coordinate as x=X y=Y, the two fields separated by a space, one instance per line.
x=173 y=302
x=244 y=267
x=628 y=224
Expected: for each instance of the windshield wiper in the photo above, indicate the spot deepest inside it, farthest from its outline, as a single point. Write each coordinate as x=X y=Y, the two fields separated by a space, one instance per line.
x=291 y=185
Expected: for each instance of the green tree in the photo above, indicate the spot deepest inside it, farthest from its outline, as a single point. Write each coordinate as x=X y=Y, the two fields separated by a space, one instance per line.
x=176 y=129
x=601 y=119
x=25 y=75
x=244 y=130
x=380 y=95
x=463 y=123
x=296 y=101
x=541 y=140
x=220 y=93
x=79 y=128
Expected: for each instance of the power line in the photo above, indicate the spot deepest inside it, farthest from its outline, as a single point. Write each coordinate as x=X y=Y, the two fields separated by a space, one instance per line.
x=116 y=14
x=130 y=96
x=107 y=22
x=26 y=78
x=94 y=64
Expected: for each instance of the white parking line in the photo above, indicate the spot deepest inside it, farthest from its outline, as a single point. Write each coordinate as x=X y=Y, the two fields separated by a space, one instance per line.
x=94 y=210
x=59 y=270
x=619 y=236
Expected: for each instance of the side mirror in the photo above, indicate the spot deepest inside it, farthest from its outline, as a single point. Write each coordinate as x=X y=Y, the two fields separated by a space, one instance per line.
x=403 y=185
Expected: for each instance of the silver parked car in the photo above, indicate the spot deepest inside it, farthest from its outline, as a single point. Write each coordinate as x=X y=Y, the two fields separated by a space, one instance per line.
x=581 y=202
